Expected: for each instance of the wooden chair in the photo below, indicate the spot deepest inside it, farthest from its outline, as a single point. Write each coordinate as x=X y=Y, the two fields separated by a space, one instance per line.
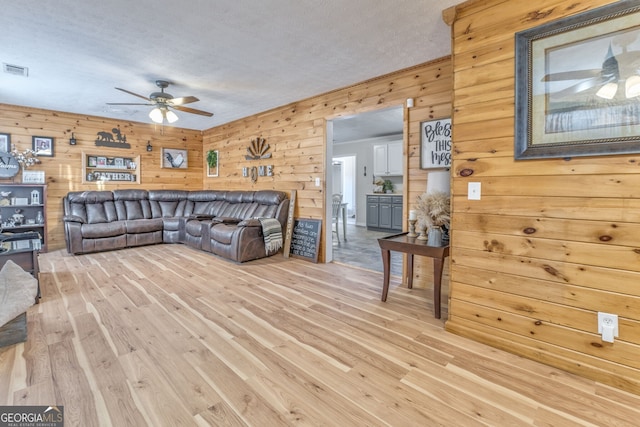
x=336 y=204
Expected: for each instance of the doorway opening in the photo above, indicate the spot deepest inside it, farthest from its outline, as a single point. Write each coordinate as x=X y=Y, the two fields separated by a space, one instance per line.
x=350 y=156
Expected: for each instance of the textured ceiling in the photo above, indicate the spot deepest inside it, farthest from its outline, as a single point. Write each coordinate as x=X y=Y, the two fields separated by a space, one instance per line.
x=239 y=57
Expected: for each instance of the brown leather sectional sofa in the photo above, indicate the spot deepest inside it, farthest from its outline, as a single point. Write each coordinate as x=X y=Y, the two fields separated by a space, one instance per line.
x=226 y=223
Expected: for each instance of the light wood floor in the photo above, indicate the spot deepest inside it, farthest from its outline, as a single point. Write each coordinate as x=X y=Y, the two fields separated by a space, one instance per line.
x=168 y=336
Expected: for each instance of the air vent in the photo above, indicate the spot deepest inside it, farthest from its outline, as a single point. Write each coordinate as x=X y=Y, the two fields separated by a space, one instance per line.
x=16 y=70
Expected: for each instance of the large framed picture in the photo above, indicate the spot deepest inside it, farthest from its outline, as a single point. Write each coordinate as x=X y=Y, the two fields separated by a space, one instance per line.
x=577 y=85
x=43 y=146
x=174 y=158
x=5 y=142
x=435 y=144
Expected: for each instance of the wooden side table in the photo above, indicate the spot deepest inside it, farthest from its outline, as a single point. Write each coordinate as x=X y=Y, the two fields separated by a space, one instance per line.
x=412 y=246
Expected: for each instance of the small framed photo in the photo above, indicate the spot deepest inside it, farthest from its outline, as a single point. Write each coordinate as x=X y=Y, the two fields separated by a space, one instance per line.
x=5 y=142
x=92 y=162
x=101 y=161
x=118 y=162
x=174 y=158
x=43 y=146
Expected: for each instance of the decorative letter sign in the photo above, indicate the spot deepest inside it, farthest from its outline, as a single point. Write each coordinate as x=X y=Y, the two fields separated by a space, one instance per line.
x=435 y=147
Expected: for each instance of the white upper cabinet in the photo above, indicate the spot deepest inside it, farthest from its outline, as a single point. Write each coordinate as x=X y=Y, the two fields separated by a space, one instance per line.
x=387 y=159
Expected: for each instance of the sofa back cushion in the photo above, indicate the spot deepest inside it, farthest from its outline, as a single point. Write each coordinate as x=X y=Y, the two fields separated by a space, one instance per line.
x=132 y=204
x=92 y=206
x=167 y=203
x=253 y=204
x=207 y=202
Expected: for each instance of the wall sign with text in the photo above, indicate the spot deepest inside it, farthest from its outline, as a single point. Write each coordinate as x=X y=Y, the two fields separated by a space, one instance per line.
x=435 y=144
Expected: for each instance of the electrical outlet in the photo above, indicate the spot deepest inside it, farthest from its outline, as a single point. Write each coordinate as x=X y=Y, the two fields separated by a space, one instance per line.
x=608 y=326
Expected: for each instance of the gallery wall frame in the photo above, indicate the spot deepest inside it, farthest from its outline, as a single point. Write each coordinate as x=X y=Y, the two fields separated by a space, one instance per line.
x=5 y=142
x=42 y=145
x=173 y=158
x=577 y=85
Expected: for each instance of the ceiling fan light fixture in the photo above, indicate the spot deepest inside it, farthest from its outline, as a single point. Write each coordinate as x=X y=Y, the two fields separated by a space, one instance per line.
x=171 y=116
x=608 y=91
x=632 y=86
x=156 y=115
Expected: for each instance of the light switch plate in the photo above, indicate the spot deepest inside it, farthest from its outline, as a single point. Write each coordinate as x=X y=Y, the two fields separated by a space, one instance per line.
x=317 y=182
x=473 y=191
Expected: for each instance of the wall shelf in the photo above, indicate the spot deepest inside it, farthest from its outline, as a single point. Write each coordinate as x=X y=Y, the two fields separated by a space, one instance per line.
x=109 y=168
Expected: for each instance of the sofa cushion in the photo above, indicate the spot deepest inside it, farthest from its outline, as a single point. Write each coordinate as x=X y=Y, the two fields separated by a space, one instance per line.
x=91 y=206
x=137 y=226
x=194 y=228
x=102 y=230
x=96 y=213
x=167 y=203
x=223 y=233
x=132 y=204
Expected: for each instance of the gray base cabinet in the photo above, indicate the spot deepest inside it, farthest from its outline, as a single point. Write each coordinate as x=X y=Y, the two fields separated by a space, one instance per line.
x=384 y=213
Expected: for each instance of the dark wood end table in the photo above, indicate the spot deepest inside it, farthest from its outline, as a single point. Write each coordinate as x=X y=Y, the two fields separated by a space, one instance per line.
x=412 y=246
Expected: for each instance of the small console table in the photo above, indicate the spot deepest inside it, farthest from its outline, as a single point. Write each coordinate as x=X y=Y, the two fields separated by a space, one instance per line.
x=412 y=246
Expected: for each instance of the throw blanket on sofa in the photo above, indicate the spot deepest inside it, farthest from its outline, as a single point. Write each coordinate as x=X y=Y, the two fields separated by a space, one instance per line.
x=272 y=232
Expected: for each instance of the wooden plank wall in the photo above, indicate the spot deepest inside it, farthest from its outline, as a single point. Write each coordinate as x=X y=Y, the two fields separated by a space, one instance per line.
x=552 y=242
x=63 y=172
x=296 y=134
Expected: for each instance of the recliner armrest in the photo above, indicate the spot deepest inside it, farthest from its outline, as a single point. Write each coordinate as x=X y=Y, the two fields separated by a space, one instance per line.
x=201 y=216
x=73 y=218
x=251 y=222
x=225 y=220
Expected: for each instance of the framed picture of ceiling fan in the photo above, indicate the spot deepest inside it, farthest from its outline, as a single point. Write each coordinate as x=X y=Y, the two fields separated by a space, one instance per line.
x=577 y=85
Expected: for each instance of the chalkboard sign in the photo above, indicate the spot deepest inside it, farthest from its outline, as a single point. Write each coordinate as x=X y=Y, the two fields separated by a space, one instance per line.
x=306 y=238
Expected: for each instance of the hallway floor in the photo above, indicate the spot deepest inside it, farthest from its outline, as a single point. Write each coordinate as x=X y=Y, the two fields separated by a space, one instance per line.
x=361 y=249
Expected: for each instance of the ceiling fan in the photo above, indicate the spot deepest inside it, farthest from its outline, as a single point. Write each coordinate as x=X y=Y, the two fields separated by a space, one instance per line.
x=616 y=69
x=163 y=102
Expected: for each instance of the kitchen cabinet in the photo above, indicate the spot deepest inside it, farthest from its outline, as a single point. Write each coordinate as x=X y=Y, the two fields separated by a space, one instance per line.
x=384 y=212
x=23 y=208
x=387 y=159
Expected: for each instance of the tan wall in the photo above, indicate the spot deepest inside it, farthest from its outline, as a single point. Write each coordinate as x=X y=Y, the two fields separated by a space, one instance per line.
x=537 y=294
x=63 y=172
x=296 y=134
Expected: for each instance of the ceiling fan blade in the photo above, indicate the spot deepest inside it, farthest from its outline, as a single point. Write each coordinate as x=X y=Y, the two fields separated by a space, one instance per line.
x=183 y=100
x=126 y=103
x=580 y=87
x=191 y=110
x=134 y=94
x=571 y=75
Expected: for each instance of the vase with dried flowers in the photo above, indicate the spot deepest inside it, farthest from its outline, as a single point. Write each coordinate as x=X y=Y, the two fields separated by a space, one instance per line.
x=434 y=213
